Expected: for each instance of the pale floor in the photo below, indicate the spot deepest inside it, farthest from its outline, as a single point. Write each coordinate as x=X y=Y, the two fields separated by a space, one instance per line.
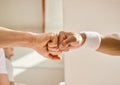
x=41 y=76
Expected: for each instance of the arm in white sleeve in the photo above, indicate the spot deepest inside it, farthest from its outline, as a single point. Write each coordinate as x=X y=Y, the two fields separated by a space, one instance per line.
x=108 y=44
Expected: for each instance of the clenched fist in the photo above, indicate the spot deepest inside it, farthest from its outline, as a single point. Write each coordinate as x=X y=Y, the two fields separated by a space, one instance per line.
x=47 y=45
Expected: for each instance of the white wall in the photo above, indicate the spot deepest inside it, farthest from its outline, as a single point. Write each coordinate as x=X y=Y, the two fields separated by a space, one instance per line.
x=54 y=16
x=21 y=14
x=82 y=66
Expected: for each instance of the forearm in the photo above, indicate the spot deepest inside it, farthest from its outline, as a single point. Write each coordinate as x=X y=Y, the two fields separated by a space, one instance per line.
x=110 y=44
x=11 y=38
x=4 y=79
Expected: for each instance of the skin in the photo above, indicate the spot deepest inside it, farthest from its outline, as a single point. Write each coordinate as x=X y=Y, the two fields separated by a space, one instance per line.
x=69 y=40
x=110 y=44
x=38 y=42
x=4 y=79
x=9 y=53
x=50 y=45
x=12 y=83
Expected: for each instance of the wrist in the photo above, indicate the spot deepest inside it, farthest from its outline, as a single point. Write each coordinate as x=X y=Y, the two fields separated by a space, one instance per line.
x=83 y=38
x=92 y=41
x=35 y=39
x=29 y=39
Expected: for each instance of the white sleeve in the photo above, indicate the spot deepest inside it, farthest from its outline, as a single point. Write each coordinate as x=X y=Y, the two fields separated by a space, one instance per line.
x=93 y=40
x=9 y=69
x=2 y=62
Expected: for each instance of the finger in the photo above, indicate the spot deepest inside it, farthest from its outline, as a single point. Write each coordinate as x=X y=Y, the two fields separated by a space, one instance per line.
x=53 y=49
x=72 y=39
x=55 y=57
x=46 y=54
x=54 y=41
x=65 y=49
x=76 y=44
x=55 y=53
x=73 y=47
x=62 y=36
x=68 y=41
x=52 y=45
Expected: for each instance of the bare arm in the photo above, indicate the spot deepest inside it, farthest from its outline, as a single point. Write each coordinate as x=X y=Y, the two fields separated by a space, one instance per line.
x=4 y=79
x=11 y=38
x=38 y=42
x=110 y=44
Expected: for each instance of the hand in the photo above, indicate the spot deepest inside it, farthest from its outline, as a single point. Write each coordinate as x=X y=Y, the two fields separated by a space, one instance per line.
x=69 y=40
x=53 y=46
x=8 y=52
x=47 y=45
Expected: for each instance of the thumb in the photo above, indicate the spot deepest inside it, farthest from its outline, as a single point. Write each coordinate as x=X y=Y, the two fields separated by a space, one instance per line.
x=53 y=41
x=44 y=38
